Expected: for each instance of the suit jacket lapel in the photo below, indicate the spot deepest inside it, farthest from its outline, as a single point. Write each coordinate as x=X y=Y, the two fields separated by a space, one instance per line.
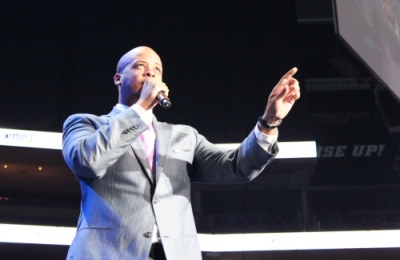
x=138 y=151
x=163 y=139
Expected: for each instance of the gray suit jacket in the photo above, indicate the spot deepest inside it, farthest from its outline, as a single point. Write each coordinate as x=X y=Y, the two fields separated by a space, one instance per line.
x=120 y=200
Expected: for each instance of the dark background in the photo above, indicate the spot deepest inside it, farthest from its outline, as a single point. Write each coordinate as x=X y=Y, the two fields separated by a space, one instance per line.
x=221 y=60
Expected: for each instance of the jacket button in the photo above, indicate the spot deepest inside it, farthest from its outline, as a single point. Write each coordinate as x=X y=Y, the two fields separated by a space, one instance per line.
x=148 y=234
x=155 y=200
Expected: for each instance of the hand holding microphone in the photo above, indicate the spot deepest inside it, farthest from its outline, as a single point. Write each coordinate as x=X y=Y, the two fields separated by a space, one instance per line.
x=149 y=88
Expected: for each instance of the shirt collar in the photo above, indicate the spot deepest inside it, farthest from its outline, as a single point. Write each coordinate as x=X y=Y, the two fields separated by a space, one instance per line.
x=145 y=115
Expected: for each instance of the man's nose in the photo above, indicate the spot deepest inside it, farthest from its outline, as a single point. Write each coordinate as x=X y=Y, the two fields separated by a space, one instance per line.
x=149 y=73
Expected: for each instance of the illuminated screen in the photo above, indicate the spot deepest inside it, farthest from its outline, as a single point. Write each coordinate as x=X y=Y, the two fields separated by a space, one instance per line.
x=372 y=30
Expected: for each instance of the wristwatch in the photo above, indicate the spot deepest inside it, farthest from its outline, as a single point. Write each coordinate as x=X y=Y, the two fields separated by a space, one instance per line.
x=266 y=125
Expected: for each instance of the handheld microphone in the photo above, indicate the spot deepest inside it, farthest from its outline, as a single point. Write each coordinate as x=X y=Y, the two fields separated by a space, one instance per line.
x=163 y=100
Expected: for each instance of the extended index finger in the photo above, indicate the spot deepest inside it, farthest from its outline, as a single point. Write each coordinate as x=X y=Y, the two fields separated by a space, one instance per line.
x=288 y=76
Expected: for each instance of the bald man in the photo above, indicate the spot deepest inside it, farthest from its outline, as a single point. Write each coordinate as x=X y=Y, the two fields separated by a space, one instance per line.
x=136 y=206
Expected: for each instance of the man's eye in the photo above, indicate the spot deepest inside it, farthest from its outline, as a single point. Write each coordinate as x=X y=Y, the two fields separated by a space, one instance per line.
x=139 y=66
x=158 y=70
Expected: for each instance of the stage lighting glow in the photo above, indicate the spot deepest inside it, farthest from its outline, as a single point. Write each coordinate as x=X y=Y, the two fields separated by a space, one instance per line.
x=51 y=235
x=306 y=149
x=28 y=234
x=52 y=140
x=31 y=139
x=299 y=241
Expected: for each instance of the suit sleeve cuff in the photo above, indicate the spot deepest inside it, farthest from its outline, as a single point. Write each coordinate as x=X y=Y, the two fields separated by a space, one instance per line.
x=265 y=141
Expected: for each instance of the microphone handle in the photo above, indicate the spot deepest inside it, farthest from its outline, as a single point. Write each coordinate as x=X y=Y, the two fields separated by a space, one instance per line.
x=163 y=100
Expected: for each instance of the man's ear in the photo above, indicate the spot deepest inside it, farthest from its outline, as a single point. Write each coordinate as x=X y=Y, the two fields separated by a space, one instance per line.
x=117 y=79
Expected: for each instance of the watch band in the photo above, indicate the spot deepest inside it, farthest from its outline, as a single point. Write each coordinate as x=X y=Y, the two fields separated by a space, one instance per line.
x=266 y=125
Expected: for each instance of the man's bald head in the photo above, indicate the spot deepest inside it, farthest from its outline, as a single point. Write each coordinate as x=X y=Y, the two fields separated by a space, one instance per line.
x=128 y=57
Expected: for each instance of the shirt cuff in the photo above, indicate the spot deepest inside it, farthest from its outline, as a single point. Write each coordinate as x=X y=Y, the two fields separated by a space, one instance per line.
x=265 y=141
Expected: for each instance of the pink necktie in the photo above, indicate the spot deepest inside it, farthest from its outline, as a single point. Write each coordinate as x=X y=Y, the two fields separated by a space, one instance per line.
x=148 y=138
